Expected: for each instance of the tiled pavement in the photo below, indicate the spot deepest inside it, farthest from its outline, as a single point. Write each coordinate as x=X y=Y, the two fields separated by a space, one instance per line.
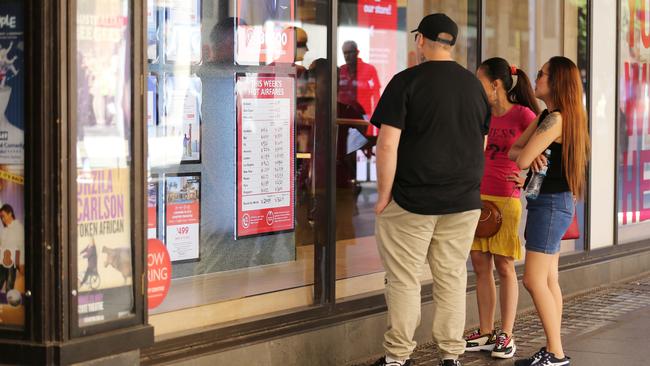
x=606 y=326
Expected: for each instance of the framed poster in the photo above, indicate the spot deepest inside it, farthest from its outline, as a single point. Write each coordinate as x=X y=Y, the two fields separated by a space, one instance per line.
x=152 y=100
x=182 y=31
x=152 y=31
x=12 y=152
x=182 y=123
x=103 y=249
x=183 y=216
x=265 y=154
x=152 y=207
x=263 y=34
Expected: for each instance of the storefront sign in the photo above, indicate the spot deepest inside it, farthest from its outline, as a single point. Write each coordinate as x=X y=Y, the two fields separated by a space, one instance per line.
x=183 y=216
x=12 y=193
x=263 y=36
x=265 y=154
x=634 y=124
x=159 y=273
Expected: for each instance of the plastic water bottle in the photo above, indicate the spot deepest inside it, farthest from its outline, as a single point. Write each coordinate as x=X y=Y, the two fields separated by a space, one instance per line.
x=535 y=184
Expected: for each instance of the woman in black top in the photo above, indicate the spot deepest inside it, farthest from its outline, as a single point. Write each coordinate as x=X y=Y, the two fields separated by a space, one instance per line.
x=562 y=129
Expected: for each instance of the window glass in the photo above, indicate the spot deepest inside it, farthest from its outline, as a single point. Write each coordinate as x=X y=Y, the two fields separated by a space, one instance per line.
x=633 y=160
x=104 y=228
x=12 y=156
x=374 y=43
x=527 y=34
x=236 y=93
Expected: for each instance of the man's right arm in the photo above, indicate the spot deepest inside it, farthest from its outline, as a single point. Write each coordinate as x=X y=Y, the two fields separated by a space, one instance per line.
x=387 y=144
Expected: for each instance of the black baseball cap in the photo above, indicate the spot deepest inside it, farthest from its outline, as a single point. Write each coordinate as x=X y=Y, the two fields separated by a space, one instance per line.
x=434 y=24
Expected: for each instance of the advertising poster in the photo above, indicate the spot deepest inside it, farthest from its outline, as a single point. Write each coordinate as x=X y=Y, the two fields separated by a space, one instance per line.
x=182 y=125
x=104 y=262
x=12 y=215
x=265 y=154
x=103 y=243
x=152 y=208
x=634 y=124
x=263 y=36
x=152 y=101
x=152 y=31
x=182 y=216
x=182 y=31
x=159 y=273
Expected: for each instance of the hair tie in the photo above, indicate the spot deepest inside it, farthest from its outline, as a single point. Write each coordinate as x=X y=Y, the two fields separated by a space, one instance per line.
x=513 y=70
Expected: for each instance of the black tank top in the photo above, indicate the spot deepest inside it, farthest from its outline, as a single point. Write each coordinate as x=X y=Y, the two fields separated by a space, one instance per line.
x=555 y=181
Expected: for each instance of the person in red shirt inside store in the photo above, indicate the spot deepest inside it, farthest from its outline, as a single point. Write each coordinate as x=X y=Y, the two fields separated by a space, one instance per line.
x=358 y=81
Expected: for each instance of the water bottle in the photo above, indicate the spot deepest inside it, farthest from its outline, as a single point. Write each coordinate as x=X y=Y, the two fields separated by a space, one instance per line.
x=536 y=180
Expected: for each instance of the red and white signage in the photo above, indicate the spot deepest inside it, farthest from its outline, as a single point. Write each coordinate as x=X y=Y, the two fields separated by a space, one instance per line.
x=182 y=218
x=263 y=33
x=152 y=210
x=159 y=273
x=265 y=155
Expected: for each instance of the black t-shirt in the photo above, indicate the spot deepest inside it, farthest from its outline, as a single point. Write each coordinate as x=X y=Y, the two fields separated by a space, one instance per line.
x=444 y=115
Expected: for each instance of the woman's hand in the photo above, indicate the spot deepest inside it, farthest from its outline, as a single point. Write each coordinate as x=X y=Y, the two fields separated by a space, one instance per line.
x=515 y=177
x=539 y=163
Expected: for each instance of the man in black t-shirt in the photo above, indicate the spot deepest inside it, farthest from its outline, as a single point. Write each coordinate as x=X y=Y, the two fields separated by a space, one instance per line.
x=433 y=119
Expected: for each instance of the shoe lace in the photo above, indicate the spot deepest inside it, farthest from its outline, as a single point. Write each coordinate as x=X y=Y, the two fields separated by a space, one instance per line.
x=502 y=340
x=545 y=359
x=476 y=333
x=540 y=355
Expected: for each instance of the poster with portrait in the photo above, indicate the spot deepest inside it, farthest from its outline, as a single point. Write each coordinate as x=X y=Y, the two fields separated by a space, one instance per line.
x=182 y=123
x=263 y=34
x=104 y=254
x=265 y=154
x=12 y=193
x=182 y=216
x=182 y=31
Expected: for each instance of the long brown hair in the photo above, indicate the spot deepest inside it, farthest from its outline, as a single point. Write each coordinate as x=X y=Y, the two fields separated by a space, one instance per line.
x=521 y=93
x=566 y=93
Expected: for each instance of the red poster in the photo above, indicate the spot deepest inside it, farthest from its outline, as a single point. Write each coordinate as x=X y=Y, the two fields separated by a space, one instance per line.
x=263 y=33
x=265 y=154
x=380 y=17
x=183 y=216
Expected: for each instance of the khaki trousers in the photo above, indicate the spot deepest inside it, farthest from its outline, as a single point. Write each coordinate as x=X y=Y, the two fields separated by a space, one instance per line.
x=406 y=240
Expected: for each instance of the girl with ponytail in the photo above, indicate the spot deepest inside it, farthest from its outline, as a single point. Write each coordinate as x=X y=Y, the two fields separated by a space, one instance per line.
x=562 y=129
x=514 y=107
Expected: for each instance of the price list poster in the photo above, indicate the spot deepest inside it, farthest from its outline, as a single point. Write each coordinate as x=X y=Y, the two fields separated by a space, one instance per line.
x=265 y=154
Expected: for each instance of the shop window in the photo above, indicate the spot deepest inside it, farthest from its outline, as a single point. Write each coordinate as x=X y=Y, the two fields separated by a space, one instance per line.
x=633 y=108
x=236 y=91
x=375 y=43
x=527 y=34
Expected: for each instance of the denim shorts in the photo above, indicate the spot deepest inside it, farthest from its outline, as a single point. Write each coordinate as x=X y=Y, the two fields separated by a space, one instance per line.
x=549 y=217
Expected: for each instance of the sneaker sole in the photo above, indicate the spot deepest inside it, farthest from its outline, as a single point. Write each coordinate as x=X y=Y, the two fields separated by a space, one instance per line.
x=504 y=355
x=480 y=348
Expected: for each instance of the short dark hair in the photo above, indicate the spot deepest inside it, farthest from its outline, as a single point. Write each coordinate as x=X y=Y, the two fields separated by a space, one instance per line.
x=8 y=209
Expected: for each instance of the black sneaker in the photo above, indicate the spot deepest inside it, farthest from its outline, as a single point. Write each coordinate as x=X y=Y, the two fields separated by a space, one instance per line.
x=533 y=359
x=505 y=346
x=549 y=360
x=449 y=363
x=382 y=362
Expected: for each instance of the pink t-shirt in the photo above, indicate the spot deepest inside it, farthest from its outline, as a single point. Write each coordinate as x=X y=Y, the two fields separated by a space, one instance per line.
x=504 y=132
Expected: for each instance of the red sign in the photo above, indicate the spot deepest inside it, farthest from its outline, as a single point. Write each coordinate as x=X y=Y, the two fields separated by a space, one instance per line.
x=380 y=17
x=265 y=155
x=159 y=273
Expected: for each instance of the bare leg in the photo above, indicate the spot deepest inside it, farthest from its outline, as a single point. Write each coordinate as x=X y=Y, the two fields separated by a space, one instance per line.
x=538 y=266
x=486 y=293
x=508 y=291
x=554 y=285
